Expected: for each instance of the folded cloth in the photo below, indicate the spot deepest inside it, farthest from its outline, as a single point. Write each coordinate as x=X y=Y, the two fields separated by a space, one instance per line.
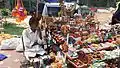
x=2 y=57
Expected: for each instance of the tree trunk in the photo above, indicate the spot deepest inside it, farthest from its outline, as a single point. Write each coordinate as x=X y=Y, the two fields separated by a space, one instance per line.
x=30 y=5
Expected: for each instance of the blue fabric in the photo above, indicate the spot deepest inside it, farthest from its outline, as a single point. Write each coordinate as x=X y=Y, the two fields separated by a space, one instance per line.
x=2 y=57
x=52 y=0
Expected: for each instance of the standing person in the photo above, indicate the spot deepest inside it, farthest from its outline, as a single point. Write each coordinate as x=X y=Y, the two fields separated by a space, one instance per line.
x=116 y=16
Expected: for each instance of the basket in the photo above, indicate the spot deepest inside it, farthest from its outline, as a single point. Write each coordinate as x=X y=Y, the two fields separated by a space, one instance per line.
x=80 y=66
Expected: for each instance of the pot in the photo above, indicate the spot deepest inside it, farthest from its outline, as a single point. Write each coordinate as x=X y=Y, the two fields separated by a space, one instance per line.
x=85 y=33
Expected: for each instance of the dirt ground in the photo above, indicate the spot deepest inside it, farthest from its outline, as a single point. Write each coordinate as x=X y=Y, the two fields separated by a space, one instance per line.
x=102 y=17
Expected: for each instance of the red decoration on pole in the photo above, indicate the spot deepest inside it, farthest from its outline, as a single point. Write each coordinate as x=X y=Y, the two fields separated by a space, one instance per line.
x=19 y=11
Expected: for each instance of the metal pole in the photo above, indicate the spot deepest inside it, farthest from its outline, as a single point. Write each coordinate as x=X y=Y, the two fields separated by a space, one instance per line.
x=37 y=8
x=29 y=5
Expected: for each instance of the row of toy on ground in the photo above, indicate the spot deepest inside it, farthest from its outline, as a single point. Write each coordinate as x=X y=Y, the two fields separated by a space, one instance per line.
x=88 y=36
x=77 y=19
x=86 y=59
x=66 y=47
x=65 y=29
x=84 y=36
x=89 y=23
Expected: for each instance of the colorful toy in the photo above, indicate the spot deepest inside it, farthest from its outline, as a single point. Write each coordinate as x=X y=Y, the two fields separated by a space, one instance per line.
x=19 y=11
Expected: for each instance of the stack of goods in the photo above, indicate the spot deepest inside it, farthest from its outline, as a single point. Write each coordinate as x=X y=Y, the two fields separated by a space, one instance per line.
x=83 y=60
x=115 y=29
x=93 y=39
x=85 y=45
x=98 y=65
x=57 y=61
x=5 y=36
x=85 y=48
x=78 y=63
x=111 y=54
x=110 y=59
x=59 y=38
x=65 y=29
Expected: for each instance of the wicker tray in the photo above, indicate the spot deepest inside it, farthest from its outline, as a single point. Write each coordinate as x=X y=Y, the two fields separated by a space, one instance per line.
x=81 y=66
x=69 y=57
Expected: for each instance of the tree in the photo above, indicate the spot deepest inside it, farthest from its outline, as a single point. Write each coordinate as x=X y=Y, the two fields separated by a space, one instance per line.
x=4 y=3
x=117 y=0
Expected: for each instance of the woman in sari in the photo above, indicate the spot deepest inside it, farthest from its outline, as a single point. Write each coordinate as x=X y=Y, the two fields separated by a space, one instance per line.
x=116 y=16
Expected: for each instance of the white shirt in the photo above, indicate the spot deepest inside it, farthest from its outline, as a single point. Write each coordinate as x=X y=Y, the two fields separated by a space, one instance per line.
x=29 y=37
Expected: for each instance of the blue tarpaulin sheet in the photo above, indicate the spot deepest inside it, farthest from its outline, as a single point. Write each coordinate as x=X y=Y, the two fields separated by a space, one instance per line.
x=52 y=0
x=2 y=57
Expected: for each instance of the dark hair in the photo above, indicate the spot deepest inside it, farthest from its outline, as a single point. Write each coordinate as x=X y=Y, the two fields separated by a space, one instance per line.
x=34 y=21
x=32 y=11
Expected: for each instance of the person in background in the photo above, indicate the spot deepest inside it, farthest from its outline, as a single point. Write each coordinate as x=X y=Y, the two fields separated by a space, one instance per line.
x=33 y=13
x=116 y=16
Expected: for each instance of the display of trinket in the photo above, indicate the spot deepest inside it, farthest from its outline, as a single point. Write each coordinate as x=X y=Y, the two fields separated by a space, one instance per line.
x=83 y=57
x=78 y=63
x=71 y=55
x=65 y=29
x=78 y=20
x=115 y=29
x=118 y=39
x=56 y=62
x=85 y=35
x=65 y=47
x=113 y=63
x=97 y=55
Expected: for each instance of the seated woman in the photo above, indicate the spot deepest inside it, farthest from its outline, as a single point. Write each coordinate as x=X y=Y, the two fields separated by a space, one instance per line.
x=33 y=39
x=116 y=16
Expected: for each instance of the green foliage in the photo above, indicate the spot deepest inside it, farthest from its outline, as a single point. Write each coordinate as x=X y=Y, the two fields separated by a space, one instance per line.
x=29 y=4
x=118 y=0
x=13 y=29
x=5 y=12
